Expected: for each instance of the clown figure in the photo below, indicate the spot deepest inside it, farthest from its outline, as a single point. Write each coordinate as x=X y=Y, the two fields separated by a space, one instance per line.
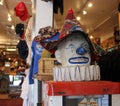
x=75 y=52
x=73 y=49
x=74 y=55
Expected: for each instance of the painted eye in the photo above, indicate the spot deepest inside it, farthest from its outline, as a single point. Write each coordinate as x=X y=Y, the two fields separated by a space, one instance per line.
x=85 y=46
x=70 y=46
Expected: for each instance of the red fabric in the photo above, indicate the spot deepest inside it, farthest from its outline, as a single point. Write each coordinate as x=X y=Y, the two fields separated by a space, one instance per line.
x=23 y=36
x=70 y=22
x=70 y=14
x=21 y=11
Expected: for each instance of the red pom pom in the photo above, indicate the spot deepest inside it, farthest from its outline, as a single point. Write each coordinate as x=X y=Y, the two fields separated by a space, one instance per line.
x=70 y=14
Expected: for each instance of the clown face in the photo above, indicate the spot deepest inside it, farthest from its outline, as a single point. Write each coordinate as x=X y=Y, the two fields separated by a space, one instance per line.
x=74 y=50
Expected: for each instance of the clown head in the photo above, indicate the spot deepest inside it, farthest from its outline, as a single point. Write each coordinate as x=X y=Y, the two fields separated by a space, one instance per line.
x=73 y=50
x=74 y=47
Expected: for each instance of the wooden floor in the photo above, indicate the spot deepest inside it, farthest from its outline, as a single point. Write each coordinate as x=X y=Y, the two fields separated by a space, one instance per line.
x=11 y=102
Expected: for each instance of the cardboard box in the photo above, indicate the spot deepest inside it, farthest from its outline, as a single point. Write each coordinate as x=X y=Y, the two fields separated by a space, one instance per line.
x=45 y=68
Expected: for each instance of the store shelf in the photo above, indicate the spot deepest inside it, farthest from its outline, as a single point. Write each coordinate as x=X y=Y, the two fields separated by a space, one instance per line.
x=82 y=88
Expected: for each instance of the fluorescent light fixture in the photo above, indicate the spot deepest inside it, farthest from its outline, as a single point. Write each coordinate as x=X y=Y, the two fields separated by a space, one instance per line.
x=11 y=50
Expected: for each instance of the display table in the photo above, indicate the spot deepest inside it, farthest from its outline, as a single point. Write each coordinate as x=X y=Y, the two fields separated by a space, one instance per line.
x=82 y=88
x=11 y=102
x=56 y=90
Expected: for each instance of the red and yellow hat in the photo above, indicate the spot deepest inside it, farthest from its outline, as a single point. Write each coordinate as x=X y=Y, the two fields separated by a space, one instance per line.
x=50 y=38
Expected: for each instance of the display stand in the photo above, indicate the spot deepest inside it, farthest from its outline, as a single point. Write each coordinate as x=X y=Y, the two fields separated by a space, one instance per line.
x=39 y=93
x=56 y=90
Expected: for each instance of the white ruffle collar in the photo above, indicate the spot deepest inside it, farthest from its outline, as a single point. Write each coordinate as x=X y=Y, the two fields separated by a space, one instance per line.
x=77 y=73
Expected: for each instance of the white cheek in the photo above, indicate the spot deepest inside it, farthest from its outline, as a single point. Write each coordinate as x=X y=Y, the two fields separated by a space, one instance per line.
x=58 y=56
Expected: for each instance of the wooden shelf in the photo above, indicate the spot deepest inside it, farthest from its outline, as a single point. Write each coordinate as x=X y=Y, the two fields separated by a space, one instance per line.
x=82 y=88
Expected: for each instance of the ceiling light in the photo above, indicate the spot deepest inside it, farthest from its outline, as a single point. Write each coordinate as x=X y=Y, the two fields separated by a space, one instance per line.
x=16 y=63
x=9 y=58
x=12 y=27
x=84 y=12
x=18 y=41
x=4 y=53
x=90 y=5
x=9 y=17
x=1 y=2
x=78 y=18
x=91 y=37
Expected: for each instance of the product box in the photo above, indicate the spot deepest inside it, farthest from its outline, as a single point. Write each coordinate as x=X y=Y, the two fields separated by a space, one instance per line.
x=45 y=68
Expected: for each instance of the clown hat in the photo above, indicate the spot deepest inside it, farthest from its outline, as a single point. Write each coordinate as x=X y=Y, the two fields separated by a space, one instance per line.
x=71 y=25
x=48 y=37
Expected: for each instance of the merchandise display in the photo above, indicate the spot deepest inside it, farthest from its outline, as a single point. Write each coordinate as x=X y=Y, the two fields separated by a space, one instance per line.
x=58 y=5
x=25 y=89
x=109 y=65
x=29 y=38
x=73 y=49
x=22 y=49
x=36 y=50
x=19 y=29
x=22 y=45
x=21 y=11
x=66 y=54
